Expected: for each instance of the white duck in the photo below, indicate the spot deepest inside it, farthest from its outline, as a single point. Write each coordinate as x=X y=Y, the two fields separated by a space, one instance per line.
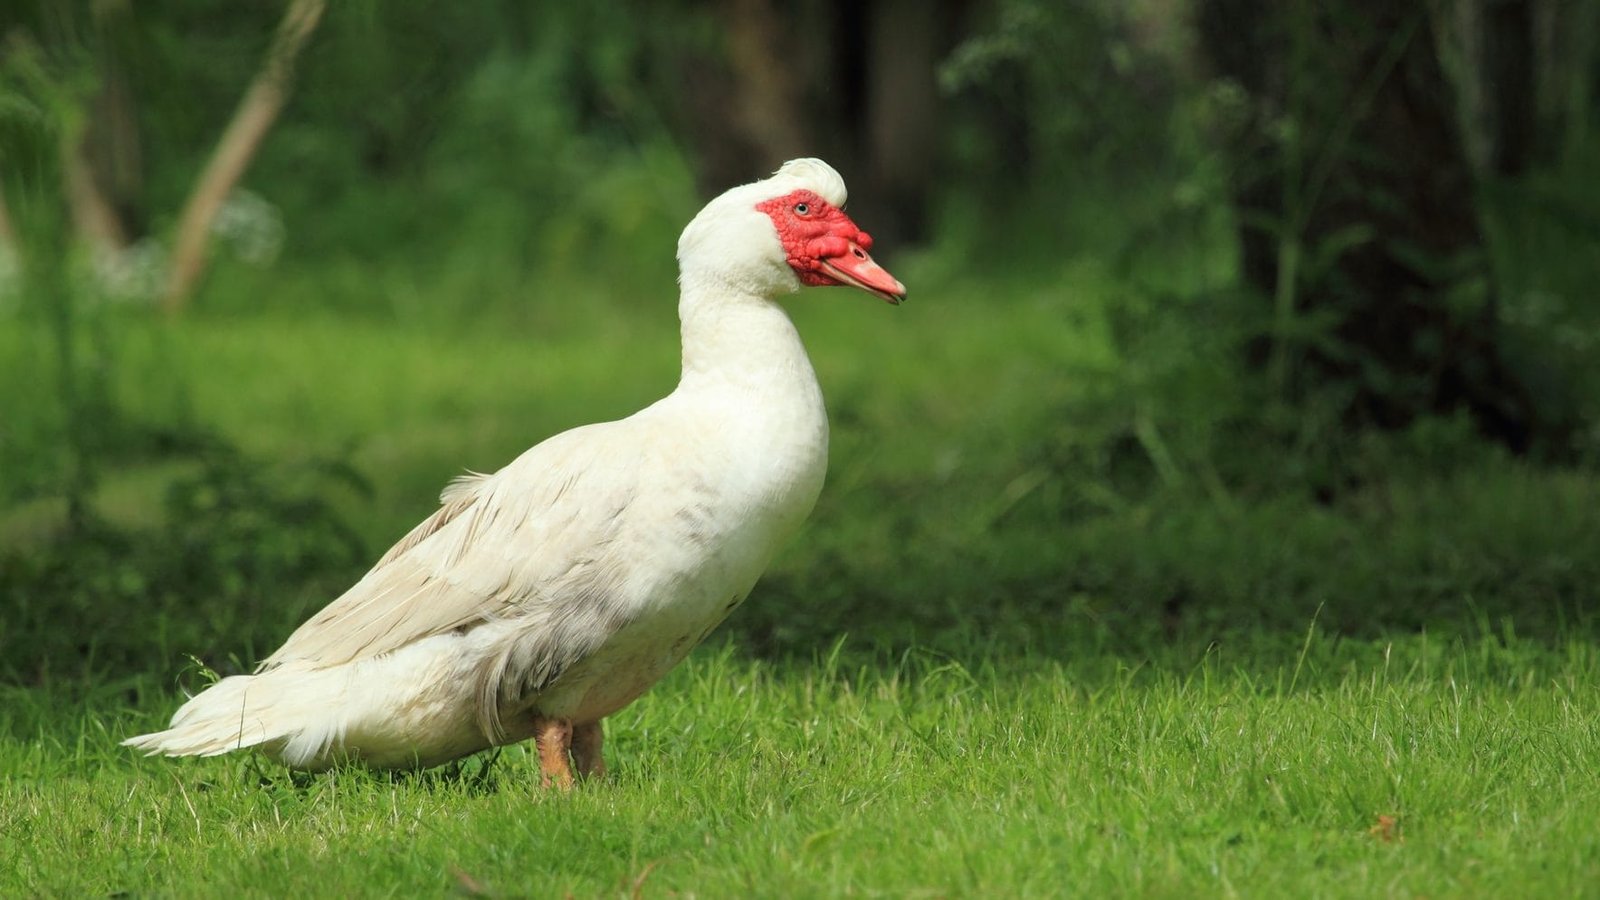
x=544 y=597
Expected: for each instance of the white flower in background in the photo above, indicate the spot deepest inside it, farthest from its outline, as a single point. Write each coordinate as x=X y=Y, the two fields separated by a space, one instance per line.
x=137 y=272
x=248 y=224
x=251 y=226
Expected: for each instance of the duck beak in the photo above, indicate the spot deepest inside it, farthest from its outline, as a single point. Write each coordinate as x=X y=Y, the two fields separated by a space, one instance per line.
x=855 y=268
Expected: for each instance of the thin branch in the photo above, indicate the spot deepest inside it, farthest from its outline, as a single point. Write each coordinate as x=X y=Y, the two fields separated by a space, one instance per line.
x=257 y=111
x=8 y=232
x=93 y=215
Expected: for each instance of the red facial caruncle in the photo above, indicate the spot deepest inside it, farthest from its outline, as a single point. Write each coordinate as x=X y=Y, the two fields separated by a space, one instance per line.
x=825 y=248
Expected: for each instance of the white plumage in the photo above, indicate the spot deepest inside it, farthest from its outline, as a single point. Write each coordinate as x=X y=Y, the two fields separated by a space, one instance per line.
x=550 y=594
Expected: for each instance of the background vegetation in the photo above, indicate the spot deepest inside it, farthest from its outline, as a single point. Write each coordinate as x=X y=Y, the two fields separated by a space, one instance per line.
x=1220 y=514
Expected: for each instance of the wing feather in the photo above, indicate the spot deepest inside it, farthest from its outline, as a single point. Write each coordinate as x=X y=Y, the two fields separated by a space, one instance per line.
x=456 y=498
x=518 y=543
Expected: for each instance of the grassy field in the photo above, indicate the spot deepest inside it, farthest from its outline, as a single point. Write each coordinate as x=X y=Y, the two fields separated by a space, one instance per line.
x=1416 y=768
x=992 y=665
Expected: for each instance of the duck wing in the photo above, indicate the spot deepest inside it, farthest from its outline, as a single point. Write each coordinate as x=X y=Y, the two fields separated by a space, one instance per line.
x=536 y=539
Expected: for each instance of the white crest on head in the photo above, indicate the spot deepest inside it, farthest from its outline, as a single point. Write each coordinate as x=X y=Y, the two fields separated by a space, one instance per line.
x=814 y=175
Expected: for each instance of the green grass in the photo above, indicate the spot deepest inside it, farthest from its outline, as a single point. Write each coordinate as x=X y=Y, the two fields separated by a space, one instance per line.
x=1255 y=774
x=994 y=663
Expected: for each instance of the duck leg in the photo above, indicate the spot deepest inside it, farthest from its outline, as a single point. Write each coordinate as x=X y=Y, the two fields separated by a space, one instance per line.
x=586 y=756
x=554 y=740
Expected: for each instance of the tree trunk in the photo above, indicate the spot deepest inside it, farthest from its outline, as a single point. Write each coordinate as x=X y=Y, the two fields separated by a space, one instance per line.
x=743 y=112
x=1359 y=165
x=906 y=40
x=1508 y=73
x=770 y=93
x=94 y=218
x=257 y=111
x=8 y=231
x=99 y=151
x=112 y=145
x=854 y=83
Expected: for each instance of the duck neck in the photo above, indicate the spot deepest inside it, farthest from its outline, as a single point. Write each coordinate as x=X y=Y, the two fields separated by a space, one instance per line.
x=734 y=336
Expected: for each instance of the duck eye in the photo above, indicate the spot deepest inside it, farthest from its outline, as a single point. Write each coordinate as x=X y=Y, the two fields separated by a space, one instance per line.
x=802 y=209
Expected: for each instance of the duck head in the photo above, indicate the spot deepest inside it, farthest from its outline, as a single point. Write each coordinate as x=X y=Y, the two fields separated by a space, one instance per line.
x=776 y=235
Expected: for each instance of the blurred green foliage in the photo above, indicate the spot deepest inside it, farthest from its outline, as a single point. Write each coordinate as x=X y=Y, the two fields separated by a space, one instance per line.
x=234 y=537
x=461 y=240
